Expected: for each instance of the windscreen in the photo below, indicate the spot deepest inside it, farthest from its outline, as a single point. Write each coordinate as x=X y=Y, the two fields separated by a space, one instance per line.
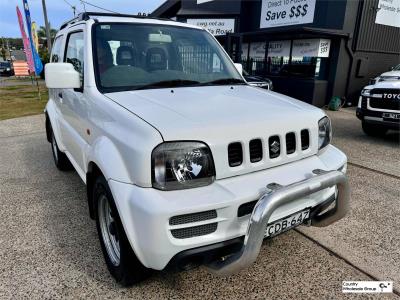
x=144 y=56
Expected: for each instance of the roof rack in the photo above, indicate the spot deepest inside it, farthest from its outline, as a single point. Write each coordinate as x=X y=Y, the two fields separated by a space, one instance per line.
x=86 y=16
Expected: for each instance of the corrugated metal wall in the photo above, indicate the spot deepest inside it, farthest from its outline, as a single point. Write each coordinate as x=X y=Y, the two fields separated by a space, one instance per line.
x=375 y=37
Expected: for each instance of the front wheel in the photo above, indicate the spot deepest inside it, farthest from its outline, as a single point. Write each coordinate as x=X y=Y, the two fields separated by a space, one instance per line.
x=121 y=261
x=373 y=129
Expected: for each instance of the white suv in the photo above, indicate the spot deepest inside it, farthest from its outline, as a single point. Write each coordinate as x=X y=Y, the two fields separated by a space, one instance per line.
x=184 y=162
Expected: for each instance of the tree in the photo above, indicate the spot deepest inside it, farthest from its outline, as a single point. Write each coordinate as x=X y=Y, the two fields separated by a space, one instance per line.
x=41 y=32
x=3 y=53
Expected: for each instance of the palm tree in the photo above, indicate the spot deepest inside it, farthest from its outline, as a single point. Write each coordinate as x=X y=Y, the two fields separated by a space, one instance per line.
x=41 y=32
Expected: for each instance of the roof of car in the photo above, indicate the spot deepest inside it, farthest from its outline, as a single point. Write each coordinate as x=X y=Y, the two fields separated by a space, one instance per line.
x=112 y=17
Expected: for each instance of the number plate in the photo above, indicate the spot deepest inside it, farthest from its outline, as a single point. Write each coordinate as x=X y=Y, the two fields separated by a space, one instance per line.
x=282 y=225
x=391 y=116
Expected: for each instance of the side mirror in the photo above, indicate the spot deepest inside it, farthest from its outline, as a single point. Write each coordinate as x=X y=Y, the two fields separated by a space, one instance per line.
x=62 y=76
x=391 y=68
x=239 y=67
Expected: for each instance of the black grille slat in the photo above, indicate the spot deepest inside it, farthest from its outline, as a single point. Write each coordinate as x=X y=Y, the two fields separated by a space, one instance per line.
x=246 y=208
x=256 y=150
x=305 y=139
x=188 y=232
x=194 y=217
x=290 y=143
x=274 y=146
x=235 y=154
x=381 y=103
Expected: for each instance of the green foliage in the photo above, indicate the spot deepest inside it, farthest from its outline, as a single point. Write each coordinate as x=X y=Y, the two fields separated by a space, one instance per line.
x=3 y=53
x=44 y=55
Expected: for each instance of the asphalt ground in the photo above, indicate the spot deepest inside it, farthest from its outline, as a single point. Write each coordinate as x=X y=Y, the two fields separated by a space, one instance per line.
x=49 y=245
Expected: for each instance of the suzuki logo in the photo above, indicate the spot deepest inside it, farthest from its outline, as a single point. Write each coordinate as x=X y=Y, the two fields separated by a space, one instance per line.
x=391 y=96
x=275 y=147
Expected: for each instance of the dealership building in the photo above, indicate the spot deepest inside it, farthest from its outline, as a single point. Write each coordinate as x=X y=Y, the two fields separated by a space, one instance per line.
x=312 y=50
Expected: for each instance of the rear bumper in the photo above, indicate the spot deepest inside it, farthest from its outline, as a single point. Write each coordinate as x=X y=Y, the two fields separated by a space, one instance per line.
x=146 y=212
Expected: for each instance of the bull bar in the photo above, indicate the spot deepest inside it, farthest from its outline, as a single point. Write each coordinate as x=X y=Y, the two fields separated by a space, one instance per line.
x=275 y=197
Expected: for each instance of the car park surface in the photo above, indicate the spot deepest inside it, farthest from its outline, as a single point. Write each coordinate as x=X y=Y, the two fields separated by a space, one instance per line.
x=50 y=250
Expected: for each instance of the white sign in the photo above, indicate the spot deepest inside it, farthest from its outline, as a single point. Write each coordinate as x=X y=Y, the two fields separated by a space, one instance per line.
x=257 y=50
x=311 y=48
x=278 y=48
x=215 y=26
x=388 y=13
x=367 y=286
x=276 y=13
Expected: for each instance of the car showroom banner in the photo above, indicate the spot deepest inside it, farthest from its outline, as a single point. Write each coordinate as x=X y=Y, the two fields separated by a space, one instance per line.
x=311 y=48
x=215 y=26
x=276 y=13
x=388 y=13
x=279 y=48
x=257 y=50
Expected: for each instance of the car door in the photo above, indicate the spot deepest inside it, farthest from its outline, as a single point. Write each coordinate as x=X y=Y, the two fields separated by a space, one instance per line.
x=56 y=56
x=74 y=106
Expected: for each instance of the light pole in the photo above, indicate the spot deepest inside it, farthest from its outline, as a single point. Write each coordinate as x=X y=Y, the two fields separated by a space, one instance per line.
x=46 y=22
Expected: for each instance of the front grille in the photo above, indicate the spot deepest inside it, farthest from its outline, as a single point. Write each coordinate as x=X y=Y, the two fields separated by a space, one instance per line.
x=305 y=139
x=274 y=145
x=188 y=232
x=256 y=150
x=194 y=217
x=235 y=154
x=290 y=143
x=380 y=103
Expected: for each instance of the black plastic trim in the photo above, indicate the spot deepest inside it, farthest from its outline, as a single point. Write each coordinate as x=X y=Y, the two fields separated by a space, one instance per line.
x=195 y=257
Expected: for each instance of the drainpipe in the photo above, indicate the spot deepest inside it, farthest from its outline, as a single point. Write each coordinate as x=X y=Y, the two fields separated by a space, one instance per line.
x=351 y=55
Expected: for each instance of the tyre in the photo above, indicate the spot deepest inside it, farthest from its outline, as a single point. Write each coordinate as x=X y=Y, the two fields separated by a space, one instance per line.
x=373 y=129
x=60 y=159
x=121 y=261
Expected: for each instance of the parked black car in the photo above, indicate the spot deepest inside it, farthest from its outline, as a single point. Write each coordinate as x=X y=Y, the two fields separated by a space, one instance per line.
x=6 y=69
x=258 y=81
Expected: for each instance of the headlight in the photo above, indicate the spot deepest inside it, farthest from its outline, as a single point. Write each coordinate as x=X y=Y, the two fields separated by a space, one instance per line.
x=182 y=165
x=365 y=92
x=8 y=69
x=324 y=132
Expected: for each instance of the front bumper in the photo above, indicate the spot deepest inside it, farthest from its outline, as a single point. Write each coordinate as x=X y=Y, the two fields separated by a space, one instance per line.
x=375 y=117
x=270 y=201
x=145 y=212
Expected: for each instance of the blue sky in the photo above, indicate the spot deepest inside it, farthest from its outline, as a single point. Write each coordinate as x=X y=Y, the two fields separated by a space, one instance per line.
x=59 y=11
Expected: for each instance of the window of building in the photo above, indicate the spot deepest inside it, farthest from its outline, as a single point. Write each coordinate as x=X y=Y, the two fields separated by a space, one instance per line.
x=308 y=58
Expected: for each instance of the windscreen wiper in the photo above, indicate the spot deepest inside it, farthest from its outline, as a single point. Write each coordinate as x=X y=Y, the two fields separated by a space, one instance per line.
x=225 y=81
x=168 y=83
